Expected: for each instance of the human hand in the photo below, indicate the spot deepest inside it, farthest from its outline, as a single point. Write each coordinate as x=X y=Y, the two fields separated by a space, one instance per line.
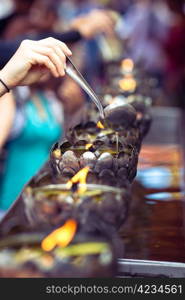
x=96 y=22
x=34 y=60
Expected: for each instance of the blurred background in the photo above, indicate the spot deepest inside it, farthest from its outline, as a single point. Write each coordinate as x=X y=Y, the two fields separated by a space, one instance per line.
x=124 y=48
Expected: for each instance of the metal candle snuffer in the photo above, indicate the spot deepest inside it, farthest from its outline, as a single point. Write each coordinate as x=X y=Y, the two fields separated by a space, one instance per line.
x=65 y=223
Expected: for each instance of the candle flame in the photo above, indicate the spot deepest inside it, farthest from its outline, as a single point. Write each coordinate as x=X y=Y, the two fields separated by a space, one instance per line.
x=128 y=84
x=100 y=125
x=79 y=177
x=61 y=236
x=127 y=65
x=88 y=146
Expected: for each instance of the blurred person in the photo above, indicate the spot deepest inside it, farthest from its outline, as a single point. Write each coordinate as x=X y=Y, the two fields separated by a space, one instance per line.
x=19 y=8
x=100 y=15
x=37 y=125
x=41 y=16
x=94 y=63
x=85 y=27
x=82 y=28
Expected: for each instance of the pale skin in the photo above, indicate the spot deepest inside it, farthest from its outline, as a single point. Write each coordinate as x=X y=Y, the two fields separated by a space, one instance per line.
x=96 y=22
x=33 y=61
x=7 y=113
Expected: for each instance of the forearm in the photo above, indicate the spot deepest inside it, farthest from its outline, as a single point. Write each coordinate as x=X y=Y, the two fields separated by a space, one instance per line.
x=7 y=113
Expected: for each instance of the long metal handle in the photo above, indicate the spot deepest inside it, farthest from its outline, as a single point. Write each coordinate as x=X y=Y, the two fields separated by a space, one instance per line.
x=80 y=80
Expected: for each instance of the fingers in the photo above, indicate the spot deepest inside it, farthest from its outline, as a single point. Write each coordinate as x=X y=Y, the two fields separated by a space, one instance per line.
x=51 y=42
x=58 y=52
x=103 y=21
x=65 y=49
x=106 y=24
x=44 y=60
x=96 y=22
x=51 y=53
x=26 y=66
x=55 y=56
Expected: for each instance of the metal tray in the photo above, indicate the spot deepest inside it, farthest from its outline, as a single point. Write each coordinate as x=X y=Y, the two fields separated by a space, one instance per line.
x=149 y=268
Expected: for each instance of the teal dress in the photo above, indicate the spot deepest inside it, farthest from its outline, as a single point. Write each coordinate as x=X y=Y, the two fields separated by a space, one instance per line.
x=29 y=151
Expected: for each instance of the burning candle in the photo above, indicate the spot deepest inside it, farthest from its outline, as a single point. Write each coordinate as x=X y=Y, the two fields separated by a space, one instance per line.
x=100 y=125
x=61 y=236
x=80 y=178
x=26 y=255
x=128 y=83
x=88 y=146
x=127 y=65
x=49 y=205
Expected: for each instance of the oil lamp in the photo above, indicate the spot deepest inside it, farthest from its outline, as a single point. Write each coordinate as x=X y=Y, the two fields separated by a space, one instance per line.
x=53 y=204
x=63 y=252
x=66 y=220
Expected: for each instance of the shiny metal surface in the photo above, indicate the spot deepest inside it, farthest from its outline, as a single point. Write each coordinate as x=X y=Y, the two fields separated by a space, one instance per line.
x=75 y=74
x=149 y=268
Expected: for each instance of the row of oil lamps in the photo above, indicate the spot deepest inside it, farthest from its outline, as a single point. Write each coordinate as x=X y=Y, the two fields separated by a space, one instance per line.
x=65 y=222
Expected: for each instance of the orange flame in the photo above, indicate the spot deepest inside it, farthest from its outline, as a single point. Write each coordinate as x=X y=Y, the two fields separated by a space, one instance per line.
x=127 y=65
x=100 y=125
x=81 y=178
x=128 y=83
x=61 y=236
x=88 y=146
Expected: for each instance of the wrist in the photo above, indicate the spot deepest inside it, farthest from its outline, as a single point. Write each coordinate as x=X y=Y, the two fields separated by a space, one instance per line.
x=3 y=87
x=4 y=76
x=2 y=90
